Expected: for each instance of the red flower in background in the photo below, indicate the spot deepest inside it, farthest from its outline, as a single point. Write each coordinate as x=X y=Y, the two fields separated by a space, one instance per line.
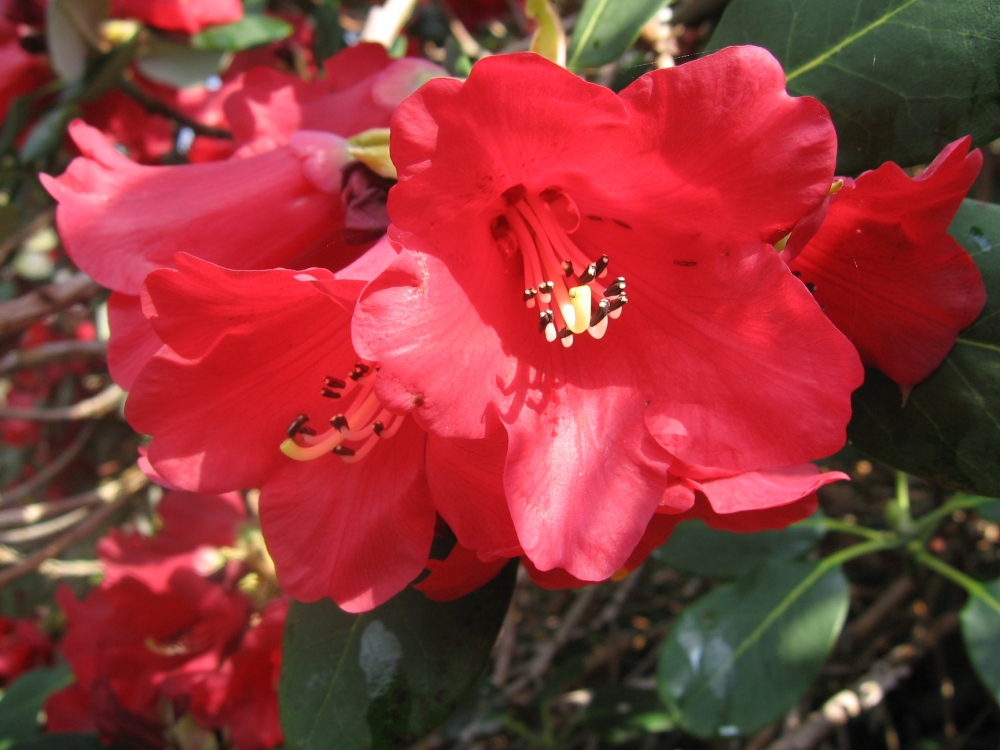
x=525 y=187
x=887 y=272
x=21 y=72
x=179 y=15
x=22 y=647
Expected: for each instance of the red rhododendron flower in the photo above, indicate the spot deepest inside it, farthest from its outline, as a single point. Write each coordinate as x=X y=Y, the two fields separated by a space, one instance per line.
x=179 y=15
x=192 y=526
x=887 y=272
x=243 y=694
x=20 y=71
x=531 y=207
x=353 y=517
x=22 y=647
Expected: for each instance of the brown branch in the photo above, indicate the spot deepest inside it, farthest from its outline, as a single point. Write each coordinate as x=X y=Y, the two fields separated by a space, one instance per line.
x=44 y=529
x=886 y=604
x=18 y=314
x=155 y=107
x=47 y=472
x=869 y=691
x=114 y=494
x=52 y=352
x=91 y=408
x=13 y=241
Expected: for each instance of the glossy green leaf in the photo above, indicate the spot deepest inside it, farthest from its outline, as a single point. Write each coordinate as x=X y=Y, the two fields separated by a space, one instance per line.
x=981 y=630
x=178 y=65
x=621 y=713
x=63 y=741
x=949 y=429
x=23 y=700
x=249 y=31
x=385 y=678
x=328 y=38
x=742 y=655
x=71 y=34
x=901 y=77
x=698 y=550
x=606 y=28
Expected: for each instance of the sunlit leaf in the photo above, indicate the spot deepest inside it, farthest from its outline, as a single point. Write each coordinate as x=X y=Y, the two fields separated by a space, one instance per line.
x=742 y=655
x=71 y=33
x=606 y=28
x=384 y=678
x=549 y=39
x=178 y=65
x=901 y=78
x=249 y=31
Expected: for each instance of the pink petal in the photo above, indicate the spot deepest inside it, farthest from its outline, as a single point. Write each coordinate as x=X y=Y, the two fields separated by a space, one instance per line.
x=133 y=341
x=357 y=533
x=461 y=573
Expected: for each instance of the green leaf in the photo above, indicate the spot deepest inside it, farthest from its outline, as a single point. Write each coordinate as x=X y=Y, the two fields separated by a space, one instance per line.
x=606 y=28
x=24 y=699
x=178 y=65
x=742 y=655
x=328 y=38
x=901 y=77
x=249 y=31
x=981 y=630
x=622 y=713
x=71 y=34
x=62 y=741
x=698 y=550
x=48 y=133
x=385 y=678
x=549 y=39
x=949 y=429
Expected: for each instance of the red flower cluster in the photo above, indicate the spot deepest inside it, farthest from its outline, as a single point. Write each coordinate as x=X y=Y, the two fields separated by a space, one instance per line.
x=580 y=305
x=161 y=638
x=22 y=648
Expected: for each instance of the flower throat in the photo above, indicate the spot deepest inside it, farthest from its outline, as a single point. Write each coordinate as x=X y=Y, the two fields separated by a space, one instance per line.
x=559 y=279
x=354 y=432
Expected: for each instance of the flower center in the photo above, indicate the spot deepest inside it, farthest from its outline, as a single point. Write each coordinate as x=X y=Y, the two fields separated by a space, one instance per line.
x=564 y=284
x=353 y=433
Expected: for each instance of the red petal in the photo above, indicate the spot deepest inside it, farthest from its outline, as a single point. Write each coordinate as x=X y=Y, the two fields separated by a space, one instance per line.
x=466 y=482
x=886 y=271
x=133 y=341
x=357 y=533
x=261 y=343
x=770 y=488
x=119 y=220
x=462 y=572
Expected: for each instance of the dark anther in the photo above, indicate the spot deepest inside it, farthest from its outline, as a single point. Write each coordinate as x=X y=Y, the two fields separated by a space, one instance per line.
x=811 y=287
x=334 y=382
x=564 y=333
x=546 y=287
x=797 y=274
x=544 y=318
x=595 y=217
x=618 y=302
x=359 y=371
x=296 y=426
x=306 y=430
x=327 y=393
x=601 y=264
x=600 y=313
x=377 y=427
x=567 y=268
x=529 y=294
x=514 y=194
x=339 y=422
x=590 y=274
x=615 y=289
x=685 y=263
x=621 y=223
x=343 y=450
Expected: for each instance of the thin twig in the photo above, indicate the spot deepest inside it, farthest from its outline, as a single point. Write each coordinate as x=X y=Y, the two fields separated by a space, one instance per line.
x=12 y=242
x=869 y=691
x=91 y=408
x=18 y=314
x=43 y=530
x=115 y=494
x=70 y=568
x=612 y=609
x=52 y=352
x=547 y=651
x=155 y=107
x=47 y=472
x=881 y=608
